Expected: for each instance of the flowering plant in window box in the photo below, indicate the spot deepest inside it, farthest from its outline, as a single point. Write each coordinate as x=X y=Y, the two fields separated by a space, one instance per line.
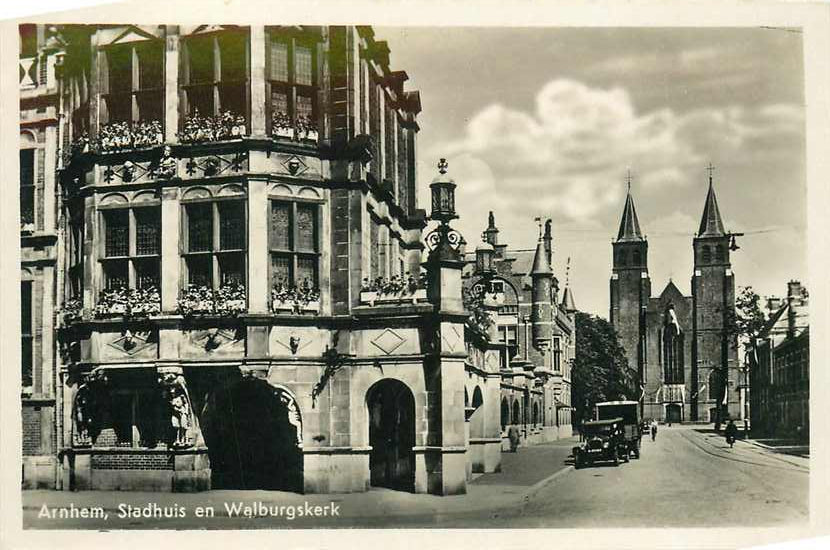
x=394 y=289
x=128 y=301
x=281 y=125
x=288 y=297
x=81 y=144
x=306 y=129
x=227 y=300
x=117 y=136
x=198 y=129
x=71 y=310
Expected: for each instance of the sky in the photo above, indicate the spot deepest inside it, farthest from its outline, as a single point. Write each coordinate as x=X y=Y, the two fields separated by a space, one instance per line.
x=548 y=121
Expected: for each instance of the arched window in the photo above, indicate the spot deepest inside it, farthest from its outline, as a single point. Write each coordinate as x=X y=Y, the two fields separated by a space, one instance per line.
x=637 y=258
x=707 y=255
x=535 y=412
x=505 y=413
x=516 y=412
x=672 y=348
x=720 y=255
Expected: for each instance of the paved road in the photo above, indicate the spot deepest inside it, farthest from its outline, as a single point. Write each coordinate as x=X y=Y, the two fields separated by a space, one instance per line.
x=687 y=478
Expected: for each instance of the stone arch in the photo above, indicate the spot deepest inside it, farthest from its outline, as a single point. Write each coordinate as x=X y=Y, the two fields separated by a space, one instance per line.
x=390 y=410
x=26 y=274
x=477 y=417
x=196 y=193
x=145 y=196
x=231 y=189
x=505 y=413
x=113 y=198
x=517 y=413
x=28 y=139
x=281 y=189
x=309 y=192
x=253 y=430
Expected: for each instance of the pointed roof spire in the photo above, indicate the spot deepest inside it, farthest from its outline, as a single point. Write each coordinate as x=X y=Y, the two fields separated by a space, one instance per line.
x=568 y=300
x=540 y=260
x=711 y=224
x=629 y=224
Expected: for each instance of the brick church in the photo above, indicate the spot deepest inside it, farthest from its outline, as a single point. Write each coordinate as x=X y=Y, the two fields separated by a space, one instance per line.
x=685 y=359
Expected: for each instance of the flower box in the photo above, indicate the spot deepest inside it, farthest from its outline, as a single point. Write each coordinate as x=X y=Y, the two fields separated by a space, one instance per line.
x=373 y=297
x=289 y=306
x=287 y=133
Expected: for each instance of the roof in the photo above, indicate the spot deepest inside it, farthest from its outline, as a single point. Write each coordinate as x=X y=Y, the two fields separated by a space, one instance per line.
x=568 y=300
x=608 y=422
x=540 y=260
x=711 y=224
x=629 y=224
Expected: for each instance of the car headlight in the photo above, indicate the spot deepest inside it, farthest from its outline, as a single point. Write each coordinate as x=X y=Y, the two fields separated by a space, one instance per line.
x=605 y=445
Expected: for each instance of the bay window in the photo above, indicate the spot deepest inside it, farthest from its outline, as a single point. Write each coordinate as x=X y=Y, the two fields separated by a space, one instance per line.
x=215 y=81
x=214 y=243
x=132 y=93
x=294 y=244
x=132 y=247
x=291 y=82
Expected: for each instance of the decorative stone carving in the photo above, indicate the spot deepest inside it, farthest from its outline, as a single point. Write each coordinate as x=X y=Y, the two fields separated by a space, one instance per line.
x=167 y=165
x=388 y=341
x=88 y=408
x=217 y=164
x=174 y=392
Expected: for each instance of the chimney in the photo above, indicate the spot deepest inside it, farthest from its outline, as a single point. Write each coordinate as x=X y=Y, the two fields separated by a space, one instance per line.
x=793 y=300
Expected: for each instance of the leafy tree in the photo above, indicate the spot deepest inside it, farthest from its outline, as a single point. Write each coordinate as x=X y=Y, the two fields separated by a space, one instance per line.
x=747 y=320
x=600 y=370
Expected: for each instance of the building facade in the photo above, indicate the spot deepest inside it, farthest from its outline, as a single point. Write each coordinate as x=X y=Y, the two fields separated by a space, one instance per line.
x=39 y=236
x=779 y=369
x=236 y=266
x=532 y=334
x=680 y=346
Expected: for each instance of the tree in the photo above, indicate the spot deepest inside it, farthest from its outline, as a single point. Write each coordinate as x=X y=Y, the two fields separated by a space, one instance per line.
x=600 y=371
x=747 y=320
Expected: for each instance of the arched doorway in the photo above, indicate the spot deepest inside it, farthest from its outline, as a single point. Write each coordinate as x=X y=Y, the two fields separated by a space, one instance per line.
x=674 y=413
x=477 y=418
x=253 y=433
x=391 y=408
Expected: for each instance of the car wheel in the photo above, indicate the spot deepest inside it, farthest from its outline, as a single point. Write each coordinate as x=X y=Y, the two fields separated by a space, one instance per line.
x=616 y=459
x=625 y=455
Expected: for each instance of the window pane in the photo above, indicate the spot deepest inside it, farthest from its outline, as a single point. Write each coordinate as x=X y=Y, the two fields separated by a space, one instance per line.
x=280 y=226
x=147 y=231
x=117 y=233
x=27 y=186
x=304 y=107
x=26 y=363
x=147 y=273
x=199 y=227
x=280 y=269
x=302 y=66
x=26 y=307
x=28 y=40
x=232 y=57
x=119 y=107
x=307 y=272
x=231 y=225
x=201 y=59
x=200 y=98
x=199 y=271
x=279 y=102
x=150 y=106
x=232 y=98
x=150 y=65
x=120 y=65
x=115 y=274
x=306 y=227
x=279 y=61
x=232 y=269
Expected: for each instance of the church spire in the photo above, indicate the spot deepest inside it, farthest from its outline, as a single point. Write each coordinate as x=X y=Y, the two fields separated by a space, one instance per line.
x=711 y=224
x=629 y=224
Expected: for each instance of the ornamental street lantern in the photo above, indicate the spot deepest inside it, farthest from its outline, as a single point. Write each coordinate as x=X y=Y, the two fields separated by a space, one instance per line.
x=484 y=258
x=443 y=195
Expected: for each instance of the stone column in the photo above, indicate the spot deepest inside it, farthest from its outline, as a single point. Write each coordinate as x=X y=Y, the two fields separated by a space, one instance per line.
x=171 y=85
x=90 y=252
x=258 y=98
x=258 y=284
x=170 y=260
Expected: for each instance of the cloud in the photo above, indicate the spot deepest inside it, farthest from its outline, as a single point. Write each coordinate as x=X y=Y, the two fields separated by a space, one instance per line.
x=568 y=158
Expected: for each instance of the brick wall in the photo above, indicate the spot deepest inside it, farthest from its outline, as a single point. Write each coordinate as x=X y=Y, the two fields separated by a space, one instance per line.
x=31 y=431
x=133 y=461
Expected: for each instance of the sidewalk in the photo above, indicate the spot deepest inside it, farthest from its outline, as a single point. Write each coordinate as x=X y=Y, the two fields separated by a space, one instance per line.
x=523 y=473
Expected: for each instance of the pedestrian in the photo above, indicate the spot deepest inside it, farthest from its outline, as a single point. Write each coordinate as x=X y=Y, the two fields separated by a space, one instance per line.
x=653 y=427
x=513 y=436
x=731 y=432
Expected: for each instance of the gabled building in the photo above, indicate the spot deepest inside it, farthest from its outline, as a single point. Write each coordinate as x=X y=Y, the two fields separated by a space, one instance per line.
x=779 y=369
x=533 y=333
x=679 y=346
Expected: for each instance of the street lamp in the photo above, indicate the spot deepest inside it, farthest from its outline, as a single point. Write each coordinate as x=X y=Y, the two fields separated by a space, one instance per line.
x=443 y=195
x=484 y=258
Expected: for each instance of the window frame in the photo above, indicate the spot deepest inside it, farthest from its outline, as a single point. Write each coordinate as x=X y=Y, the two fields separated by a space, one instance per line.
x=132 y=258
x=293 y=251
x=27 y=337
x=291 y=87
x=216 y=84
x=216 y=253
x=30 y=189
x=137 y=95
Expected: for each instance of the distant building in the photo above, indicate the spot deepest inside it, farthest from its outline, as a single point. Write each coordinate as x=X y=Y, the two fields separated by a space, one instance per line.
x=683 y=354
x=533 y=333
x=779 y=369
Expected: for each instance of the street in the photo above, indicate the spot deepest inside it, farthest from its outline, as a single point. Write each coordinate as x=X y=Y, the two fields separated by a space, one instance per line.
x=686 y=478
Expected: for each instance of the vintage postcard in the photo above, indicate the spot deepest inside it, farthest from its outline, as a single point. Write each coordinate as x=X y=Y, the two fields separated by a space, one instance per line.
x=346 y=266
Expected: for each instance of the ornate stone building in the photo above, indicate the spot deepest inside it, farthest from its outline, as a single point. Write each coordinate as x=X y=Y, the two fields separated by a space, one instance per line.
x=239 y=285
x=684 y=357
x=39 y=234
x=532 y=334
x=779 y=369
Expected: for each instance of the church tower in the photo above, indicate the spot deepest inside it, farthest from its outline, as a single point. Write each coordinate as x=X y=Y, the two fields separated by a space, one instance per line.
x=630 y=287
x=713 y=299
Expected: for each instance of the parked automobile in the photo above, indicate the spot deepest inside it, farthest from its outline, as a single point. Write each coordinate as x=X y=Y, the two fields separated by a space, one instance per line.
x=602 y=441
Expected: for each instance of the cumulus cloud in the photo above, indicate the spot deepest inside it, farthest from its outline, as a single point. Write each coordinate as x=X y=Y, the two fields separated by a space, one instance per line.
x=568 y=158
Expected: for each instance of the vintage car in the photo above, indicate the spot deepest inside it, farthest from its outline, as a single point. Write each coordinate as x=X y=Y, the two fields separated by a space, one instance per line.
x=629 y=411
x=601 y=441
